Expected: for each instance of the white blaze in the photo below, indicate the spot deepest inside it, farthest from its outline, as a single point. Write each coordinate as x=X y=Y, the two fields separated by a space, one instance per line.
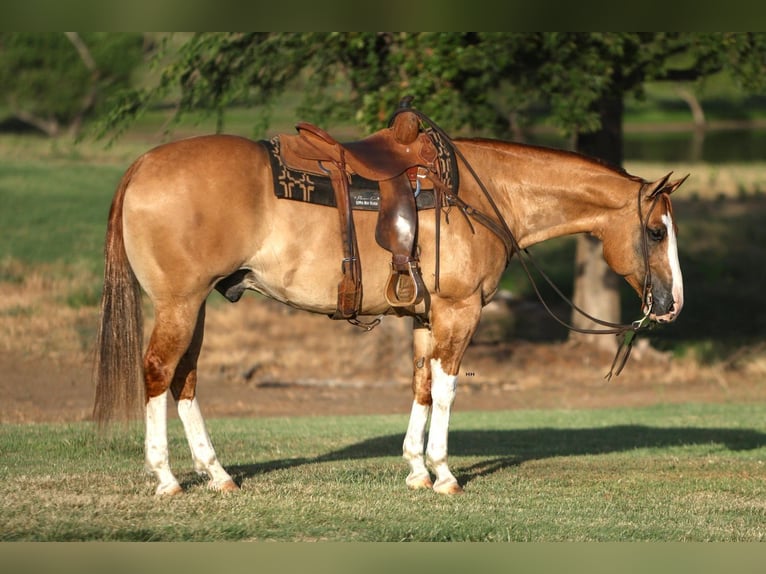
x=675 y=266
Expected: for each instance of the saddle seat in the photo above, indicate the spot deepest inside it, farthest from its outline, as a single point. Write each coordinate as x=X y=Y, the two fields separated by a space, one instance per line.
x=385 y=157
x=378 y=157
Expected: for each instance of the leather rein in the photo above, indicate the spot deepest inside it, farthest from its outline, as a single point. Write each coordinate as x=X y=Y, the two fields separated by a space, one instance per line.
x=626 y=332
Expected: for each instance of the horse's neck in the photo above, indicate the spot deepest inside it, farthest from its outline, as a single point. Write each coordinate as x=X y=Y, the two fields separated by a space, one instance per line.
x=553 y=209
x=546 y=193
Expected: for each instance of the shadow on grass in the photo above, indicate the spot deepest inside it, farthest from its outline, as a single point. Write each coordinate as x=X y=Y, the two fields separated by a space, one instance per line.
x=508 y=448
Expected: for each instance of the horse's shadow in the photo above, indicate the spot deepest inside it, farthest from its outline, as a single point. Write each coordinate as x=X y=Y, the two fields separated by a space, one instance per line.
x=507 y=448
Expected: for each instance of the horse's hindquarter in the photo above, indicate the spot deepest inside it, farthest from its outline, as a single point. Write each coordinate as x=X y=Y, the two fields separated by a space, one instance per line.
x=186 y=213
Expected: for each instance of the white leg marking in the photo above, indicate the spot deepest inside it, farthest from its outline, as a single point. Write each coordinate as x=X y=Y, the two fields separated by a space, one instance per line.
x=156 y=445
x=205 y=460
x=414 y=441
x=675 y=266
x=443 y=388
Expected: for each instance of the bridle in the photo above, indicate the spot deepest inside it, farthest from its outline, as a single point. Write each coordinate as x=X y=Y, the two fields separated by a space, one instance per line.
x=626 y=332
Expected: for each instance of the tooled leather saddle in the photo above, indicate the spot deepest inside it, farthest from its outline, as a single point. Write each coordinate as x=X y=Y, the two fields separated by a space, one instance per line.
x=391 y=157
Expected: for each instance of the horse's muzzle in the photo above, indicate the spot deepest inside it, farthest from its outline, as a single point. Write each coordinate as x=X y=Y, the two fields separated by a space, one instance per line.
x=666 y=302
x=666 y=312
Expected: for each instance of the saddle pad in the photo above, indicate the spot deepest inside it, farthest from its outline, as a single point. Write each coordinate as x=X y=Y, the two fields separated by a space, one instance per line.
x=317 y=189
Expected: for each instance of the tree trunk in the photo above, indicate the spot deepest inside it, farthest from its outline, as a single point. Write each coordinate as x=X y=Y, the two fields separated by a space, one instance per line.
x=596 y=286
x=698 y=114
x=49 y=126
x=90 y=97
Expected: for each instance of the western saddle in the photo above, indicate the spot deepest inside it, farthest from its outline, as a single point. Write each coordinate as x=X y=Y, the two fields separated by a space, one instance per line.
x=385 y=157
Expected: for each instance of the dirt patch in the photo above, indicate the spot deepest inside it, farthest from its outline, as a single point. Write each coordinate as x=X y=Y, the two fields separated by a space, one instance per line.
x=261 y=358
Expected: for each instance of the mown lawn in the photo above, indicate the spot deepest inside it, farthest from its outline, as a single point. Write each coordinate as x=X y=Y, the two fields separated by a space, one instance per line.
x=664 y=473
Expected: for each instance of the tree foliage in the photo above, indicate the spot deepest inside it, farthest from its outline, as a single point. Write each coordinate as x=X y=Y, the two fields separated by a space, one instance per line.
x=55 y=80
x=211 y=71
x=472 y=81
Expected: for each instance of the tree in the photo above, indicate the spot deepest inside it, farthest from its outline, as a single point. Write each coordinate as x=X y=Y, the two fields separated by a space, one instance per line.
x=484 y=82
x=54 y=81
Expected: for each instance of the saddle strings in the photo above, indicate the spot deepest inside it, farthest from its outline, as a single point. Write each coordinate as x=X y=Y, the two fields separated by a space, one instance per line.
x=626 y=331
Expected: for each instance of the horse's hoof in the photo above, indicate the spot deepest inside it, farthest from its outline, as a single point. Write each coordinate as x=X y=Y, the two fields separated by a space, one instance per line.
x=419 y=481
x=449 y=487
x=170 y=489
x=225 y=486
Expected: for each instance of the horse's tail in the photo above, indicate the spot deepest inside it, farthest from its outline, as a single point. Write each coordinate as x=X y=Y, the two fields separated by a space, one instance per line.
x=118 y=366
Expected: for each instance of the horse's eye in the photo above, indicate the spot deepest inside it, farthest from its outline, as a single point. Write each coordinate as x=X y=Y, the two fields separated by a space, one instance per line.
x=657 y=233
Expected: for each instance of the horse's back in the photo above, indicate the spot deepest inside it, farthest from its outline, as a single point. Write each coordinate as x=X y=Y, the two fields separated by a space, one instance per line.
x=210 y=157
x=222 y=165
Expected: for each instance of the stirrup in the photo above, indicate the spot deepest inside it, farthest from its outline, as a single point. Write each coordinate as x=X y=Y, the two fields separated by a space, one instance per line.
x=404 y=288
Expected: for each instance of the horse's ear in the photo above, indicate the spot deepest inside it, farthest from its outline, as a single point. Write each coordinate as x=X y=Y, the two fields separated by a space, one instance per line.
x=656 y=187
x=674 y=185
x=664 y=185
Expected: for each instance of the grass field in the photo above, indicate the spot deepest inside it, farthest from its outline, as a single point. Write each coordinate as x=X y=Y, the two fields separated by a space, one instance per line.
x=665 y=473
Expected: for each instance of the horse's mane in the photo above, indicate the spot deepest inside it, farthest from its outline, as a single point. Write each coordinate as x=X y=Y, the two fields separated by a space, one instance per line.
x=506 y=146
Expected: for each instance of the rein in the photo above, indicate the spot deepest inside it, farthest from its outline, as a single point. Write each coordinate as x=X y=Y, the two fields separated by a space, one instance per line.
x=626 y=332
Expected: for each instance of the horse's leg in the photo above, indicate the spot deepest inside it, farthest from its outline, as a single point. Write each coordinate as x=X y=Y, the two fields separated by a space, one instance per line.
x=443 y=388
x=172 y=334
x=452 y=330
x=414 y=440
x=184 y=387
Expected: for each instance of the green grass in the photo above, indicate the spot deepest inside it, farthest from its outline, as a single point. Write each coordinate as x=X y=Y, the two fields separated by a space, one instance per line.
x=664 y=473
x=55 y=212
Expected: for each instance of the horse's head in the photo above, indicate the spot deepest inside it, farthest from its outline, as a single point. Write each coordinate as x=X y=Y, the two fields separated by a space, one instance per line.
x=640 y=244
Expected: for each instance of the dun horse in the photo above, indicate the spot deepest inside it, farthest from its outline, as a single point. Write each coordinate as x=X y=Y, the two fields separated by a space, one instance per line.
x=202 y=213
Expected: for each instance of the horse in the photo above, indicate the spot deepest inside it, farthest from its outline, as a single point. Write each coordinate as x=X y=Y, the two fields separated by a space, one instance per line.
x=192 y=213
